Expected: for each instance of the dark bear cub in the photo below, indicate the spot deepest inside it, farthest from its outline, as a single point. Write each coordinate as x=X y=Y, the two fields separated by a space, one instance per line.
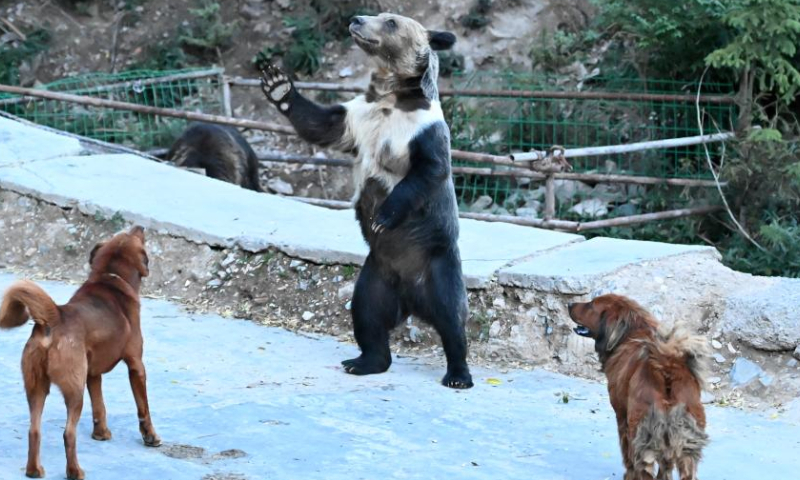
x=405 y=200
x=221 y=151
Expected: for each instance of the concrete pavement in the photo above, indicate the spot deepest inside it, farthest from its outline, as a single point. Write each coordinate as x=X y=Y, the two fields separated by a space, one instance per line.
x=235 y=400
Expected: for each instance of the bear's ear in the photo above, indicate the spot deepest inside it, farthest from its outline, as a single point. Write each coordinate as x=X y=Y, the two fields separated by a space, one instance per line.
x=441 y=40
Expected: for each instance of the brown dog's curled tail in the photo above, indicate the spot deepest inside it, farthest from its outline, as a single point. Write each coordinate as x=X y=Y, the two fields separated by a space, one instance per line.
x=25 y=299
x=679 y=342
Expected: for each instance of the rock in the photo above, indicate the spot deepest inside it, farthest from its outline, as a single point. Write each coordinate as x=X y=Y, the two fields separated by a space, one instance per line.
x=714 y=380
x=307 y=315
x=716 y=344
x=626 y=210
x=294 y=264
x=495 y=328
x=214 y=283
x=766 y=318
x=414 y=333
x=765 y=380
x=228 y=260
x=277 y=185
x=610 y=193
x=707 y=397
x=250 y=10
x=719 y=358
x=348 y=305
x=346 y=291
x=526 y=212
x=284 y=4
x=593 y=208
x=499 y=302
x=566 y=190
x=744 y=371
x=346 y=72
x=796 y=353
x=482 y=203
x=791 y=363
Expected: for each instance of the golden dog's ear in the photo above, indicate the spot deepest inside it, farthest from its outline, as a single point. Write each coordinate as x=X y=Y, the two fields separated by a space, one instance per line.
x=94 y=251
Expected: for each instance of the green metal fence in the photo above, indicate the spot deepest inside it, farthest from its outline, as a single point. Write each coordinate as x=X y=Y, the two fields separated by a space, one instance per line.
x=496 y=124
x=189 y=90
x=503 y=124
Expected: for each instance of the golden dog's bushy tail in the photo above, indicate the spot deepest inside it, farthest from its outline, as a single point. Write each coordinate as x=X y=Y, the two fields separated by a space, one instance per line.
x=25 y=299
x=679 y=342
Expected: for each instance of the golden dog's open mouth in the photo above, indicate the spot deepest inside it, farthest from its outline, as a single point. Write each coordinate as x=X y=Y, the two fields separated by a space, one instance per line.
x=582 y=331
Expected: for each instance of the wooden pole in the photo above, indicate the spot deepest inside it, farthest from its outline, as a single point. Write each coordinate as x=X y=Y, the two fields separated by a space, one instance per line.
x=627 y=148
x=130 y=84
x=648 y=217
x=332 y=204
x=133 y=107
x=332 y=162
x=450 y=92
x=226 y=98
x=550 y=197
x=527 y=222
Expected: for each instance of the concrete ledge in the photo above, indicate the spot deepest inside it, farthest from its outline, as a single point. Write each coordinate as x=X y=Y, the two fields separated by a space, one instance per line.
x=216 y=213
x=577 y=268
x=20 y=143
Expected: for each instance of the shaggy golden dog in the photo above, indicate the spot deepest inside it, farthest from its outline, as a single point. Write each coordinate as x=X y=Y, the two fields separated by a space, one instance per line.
x=655 y=377
x=72 y=345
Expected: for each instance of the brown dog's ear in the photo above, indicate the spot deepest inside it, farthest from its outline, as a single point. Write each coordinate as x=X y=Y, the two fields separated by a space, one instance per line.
x=617 y=332
x=94 y=251
x=138 y=232
x=144 y=265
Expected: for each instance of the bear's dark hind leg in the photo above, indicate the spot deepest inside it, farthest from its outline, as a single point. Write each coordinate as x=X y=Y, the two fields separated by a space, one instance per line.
x=376 y=310
x=444 y=305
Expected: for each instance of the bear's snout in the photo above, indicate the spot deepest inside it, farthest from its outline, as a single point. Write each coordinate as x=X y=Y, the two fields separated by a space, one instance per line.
x=356 y=21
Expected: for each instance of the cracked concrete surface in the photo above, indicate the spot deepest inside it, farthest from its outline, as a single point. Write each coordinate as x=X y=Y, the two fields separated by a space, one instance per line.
x=235 y=400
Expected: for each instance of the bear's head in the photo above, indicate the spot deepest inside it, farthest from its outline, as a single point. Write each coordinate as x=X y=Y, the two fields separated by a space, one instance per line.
x=399 y=44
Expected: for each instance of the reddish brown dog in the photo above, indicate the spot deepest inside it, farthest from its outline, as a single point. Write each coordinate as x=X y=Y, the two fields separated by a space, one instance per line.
x=654 y=382
x=72 y=345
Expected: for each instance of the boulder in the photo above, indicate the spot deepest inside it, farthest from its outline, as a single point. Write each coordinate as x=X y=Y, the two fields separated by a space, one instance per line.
x=766 y=318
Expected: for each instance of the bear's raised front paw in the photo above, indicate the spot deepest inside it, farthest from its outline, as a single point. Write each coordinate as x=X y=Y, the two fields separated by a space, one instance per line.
x=365 y=366
x=460 y=380
x=276 y=86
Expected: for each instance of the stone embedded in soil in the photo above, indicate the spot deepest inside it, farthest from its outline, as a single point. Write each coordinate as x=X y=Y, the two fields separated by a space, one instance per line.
x=744 y=371
x=482 y=203
x=307 y=315
x=592 y=208
x=719 y=358
x=716 y=344
x=280 y=186
x=346 y=291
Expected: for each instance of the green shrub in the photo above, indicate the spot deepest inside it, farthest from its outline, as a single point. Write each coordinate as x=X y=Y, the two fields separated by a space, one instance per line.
x=207 y=33
x=302 y=54
x=478 y=16
x=13 y=53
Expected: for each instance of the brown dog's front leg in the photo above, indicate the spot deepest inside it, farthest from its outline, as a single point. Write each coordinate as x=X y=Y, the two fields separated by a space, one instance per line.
x=138 y=379
x=95 y=385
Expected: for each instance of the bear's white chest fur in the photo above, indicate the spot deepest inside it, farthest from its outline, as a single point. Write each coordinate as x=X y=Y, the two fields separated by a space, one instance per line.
x=381 y=135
